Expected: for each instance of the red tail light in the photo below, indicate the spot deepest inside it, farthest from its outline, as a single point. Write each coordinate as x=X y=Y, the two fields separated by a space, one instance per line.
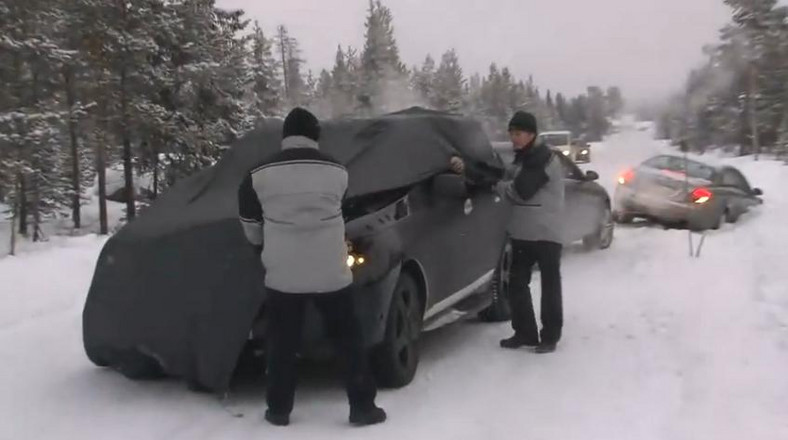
x=700 y=195
x=626 y=177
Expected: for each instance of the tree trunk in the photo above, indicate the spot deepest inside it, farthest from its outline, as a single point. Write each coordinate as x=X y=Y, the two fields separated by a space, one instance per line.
x=14 y=214
x=36 y=209
x=101 y=169
x=76 y=187
x=756 y=142
x=128 y=167
x=155 y=169
x=283 y=48
x=22 y=195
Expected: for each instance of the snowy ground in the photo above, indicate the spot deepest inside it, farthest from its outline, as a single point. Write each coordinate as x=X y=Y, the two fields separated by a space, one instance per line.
x=657 y=346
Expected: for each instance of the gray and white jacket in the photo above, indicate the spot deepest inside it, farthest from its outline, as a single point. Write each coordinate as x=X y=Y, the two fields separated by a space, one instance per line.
x=291 y=208
x=534 y=185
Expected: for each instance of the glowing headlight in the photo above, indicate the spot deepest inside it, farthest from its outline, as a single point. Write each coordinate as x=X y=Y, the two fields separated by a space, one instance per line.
x=584 y=152
x=355 y=260
x=566 y=153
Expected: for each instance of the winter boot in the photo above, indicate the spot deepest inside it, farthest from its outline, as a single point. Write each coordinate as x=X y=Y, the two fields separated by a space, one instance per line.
x=367 y=417
x=518 y=341
x=277 y=419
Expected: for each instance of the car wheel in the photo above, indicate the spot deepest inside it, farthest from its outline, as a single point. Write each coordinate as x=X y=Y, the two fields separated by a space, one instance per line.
x=499 y=310
x=719 y=219
x=396 y=359
x=138 y=366
x=730 y=217
x=602 y=238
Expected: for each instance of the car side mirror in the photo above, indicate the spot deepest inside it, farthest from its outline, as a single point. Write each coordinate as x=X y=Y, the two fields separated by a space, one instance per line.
x=592 y=176
x=450 y=185
x=757 y=192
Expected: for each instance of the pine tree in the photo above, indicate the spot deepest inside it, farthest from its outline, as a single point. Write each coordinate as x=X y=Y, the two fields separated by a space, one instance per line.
x=423 y=81
x=384 y=76
x=449 y=84
x=615 y=102
x=30 y=120
x=264 y=66
x=295 y=85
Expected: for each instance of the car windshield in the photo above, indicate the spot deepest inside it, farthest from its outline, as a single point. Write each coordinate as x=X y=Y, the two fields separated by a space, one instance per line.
x=555 y=140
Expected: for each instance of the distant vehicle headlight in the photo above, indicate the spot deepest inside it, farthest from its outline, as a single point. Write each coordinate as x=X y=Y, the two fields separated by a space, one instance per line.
x=584 y=152
x=566 y=153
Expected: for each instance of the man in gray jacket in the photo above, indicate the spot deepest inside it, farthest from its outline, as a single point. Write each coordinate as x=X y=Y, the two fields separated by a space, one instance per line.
x=291 y=211
x=534 y=186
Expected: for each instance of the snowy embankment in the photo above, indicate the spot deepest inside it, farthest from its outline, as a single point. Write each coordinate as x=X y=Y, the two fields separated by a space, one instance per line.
x=657 y=346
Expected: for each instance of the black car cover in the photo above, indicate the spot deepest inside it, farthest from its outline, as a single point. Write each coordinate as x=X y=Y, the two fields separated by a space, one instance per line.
x=179 y=287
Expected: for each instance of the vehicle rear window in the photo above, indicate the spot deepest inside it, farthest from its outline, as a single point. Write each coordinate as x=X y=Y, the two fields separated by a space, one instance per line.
x=555 y=140
x=675 y=164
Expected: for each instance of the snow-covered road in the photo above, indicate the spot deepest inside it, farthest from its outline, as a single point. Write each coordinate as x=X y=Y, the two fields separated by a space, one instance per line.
x=657 y=346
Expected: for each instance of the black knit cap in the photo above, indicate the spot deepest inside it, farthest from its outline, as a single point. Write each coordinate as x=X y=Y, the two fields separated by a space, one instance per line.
x=523 y=121
x=300 y=122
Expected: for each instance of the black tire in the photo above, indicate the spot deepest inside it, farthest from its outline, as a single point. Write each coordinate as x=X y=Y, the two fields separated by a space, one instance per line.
x=396 y=359
x=137 y=366
x=499 y=310
x=719 y=220
x=603 y=237
x=730 y=217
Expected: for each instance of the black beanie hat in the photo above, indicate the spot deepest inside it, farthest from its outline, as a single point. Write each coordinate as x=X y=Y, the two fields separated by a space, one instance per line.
x=523 y=121
x=300 y=122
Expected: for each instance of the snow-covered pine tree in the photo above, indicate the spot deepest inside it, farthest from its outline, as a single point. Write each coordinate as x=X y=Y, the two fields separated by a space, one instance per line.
x=267 y=87
x=449 y=84
x=30 y=120
x=423 y=81
x=384 y=79
x=615 y=101
x=323 y=95
x=290 y=54
x=343 y=86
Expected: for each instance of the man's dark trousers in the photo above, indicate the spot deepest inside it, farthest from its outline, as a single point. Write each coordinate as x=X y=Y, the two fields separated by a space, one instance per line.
x=286 y=321
x=548 y=256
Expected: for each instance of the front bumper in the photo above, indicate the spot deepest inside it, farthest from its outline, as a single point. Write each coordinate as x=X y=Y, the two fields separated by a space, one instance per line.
x=372 y=302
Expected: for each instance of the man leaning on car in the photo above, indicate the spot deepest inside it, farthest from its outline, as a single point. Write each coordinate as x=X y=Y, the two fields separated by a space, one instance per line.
x=534 y=186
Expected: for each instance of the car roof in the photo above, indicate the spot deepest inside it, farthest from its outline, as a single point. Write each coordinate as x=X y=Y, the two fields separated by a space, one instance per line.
x=716 y=167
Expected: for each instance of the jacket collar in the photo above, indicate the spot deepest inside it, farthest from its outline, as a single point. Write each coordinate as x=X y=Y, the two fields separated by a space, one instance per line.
x=535 y=155
x=291 y=142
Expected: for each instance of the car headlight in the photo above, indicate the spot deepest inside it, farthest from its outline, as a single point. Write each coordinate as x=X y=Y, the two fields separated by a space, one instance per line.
x=566 y=153
x=355 y=261
x=584 y=152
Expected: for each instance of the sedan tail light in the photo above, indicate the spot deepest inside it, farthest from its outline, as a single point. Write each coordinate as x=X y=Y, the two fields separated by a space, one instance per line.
x=626 y=177
x=700 y=195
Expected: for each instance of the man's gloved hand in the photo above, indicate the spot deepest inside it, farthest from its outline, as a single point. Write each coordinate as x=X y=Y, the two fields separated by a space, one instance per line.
x=457 y=165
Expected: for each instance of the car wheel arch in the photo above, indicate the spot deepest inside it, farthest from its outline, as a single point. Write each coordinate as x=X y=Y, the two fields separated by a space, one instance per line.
x=413 y=268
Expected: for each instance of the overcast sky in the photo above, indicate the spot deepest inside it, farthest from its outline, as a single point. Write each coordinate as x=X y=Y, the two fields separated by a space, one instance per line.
x=647 y=47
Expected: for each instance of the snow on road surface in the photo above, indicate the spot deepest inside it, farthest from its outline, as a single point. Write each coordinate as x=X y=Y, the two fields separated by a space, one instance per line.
x=657 y=346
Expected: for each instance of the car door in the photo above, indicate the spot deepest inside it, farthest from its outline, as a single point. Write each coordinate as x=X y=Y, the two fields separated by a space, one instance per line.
x=581 y=202
x=457 y=241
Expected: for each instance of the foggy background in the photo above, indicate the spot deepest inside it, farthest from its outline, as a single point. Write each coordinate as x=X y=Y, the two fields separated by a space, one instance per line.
x=644 y=46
